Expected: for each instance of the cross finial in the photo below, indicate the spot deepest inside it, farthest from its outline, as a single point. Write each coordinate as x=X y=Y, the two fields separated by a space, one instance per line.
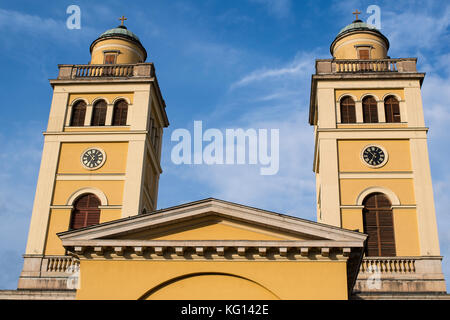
x=122 y=19
x=356 y=14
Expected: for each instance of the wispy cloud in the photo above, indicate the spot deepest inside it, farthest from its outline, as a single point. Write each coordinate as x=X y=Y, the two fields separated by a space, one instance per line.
x=301 y=64
x=422 y=30
x=278 y=8
x=35 y=25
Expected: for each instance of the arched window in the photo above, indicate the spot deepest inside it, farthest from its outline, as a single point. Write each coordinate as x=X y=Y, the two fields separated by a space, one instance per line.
x=99 y=113
x=370 y=110
x=348 y=114
x=379 y=225
x=392 y=109
x=78 y=114
x=120 y=113
x=85 y=212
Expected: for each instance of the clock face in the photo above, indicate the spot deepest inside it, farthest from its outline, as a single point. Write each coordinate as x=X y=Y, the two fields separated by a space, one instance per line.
x=374 y=156
x=93 y=158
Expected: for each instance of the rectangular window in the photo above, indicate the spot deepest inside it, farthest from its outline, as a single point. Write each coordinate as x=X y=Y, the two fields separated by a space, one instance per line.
x=364 y=54
x=110 y=58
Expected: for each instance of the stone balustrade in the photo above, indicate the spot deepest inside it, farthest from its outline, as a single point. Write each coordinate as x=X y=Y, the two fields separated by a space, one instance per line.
x=386 y=265
x=99 y=71
x=60 y=265
x=356 y=66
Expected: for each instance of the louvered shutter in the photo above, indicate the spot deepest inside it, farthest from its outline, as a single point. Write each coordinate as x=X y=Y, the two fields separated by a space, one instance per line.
x=379 y=225
x=364 y=54
x=99 y=114
x=392 y=110
x=370 y=110
x=78 y=114
x=348 y=114
x=86 y=212
x=120 y=113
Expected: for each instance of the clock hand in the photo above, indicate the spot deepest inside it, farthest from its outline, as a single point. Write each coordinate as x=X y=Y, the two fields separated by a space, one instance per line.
x=373 y=156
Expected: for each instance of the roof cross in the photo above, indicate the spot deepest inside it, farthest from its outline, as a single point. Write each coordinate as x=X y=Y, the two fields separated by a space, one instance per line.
x=356 y=13
x=122 y=19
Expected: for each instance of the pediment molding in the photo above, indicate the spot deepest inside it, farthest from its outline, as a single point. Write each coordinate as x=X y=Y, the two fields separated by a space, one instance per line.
x=214 y=208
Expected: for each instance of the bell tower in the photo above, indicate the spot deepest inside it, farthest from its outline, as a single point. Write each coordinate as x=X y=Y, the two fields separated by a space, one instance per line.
x=371 y=161
x=101 y=155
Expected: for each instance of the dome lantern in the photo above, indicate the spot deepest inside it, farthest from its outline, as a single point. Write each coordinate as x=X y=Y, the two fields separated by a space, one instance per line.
x=359 y=40
x=117 y=46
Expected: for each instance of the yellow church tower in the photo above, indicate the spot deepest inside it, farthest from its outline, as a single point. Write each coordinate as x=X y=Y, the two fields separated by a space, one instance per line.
x=371 y=162
x=101 y=155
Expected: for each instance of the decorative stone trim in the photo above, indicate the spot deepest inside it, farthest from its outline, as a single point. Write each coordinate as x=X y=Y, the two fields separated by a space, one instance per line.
x=110 y=207
x=352 y=207
x=61 y=207
x=412 y=206
x=219 y=250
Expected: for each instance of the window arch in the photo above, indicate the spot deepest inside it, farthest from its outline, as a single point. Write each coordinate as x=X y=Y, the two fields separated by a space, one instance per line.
x=120 y=113
x=99 y=113
x=86 y=211
x=379 y=225
x=392 y=109
x=370 y=110
x=348 y=114
x=78 y=114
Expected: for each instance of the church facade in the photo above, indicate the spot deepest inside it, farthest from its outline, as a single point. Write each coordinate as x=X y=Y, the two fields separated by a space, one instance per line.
x=96 y=233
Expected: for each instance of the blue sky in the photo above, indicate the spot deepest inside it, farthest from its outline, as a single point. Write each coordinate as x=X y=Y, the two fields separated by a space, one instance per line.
x=231 y=64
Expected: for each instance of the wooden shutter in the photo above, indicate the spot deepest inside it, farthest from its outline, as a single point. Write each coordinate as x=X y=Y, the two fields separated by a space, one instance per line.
x=348 y=114
x=99 y=113
x=86 y=212
x=379 y=225
x=110 y=58
x=120 y=113
x=364 y=54
x=370 y=110
x=78 y=114
x=392 y=109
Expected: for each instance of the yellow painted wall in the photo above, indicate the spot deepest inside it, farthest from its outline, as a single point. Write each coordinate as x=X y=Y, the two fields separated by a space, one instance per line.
x=377 y=93
x=406 y=232
x=70 y=154
x=352 y=219
x=211 y=229
x=109 y=97
x=350 y=155
x=206 y=287
x=107 y=215
x=132 y=279
x=345 y=47
x=112 y=189
x=127 y=51
x=352 y=188
x=59 y=222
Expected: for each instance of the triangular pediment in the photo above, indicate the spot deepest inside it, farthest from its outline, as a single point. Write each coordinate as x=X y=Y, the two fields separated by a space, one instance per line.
x=212 y=226
x=212 y=219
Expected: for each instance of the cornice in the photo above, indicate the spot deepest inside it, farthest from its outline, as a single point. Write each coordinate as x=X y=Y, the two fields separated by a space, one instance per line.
x=226 y=250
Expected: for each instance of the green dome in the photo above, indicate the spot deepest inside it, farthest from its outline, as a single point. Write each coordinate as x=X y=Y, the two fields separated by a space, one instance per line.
x=357 y=25
x=120 y=31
